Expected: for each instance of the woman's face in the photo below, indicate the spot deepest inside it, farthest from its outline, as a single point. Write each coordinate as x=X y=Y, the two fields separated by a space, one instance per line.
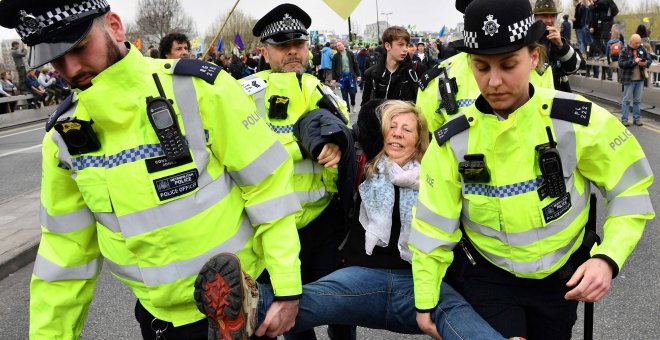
x=503 y=79
x=401 y=138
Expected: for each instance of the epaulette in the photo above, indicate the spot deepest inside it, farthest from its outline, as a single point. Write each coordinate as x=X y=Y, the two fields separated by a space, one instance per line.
x=253 y=84
x=452 y=128
x=571 y=110
x=60 y=110
x=429 y=75
x=197 y=68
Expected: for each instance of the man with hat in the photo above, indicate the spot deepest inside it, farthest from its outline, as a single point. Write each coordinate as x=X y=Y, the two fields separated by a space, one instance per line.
x=508 y=182
x=140 y=172
x=288 y=99
x=561 y=55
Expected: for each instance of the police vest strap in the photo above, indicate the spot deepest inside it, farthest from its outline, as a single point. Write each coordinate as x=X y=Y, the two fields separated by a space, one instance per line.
x=566 y=107
x=197 y=68
x=60 y=110
x=429 y=75
x=452 y=128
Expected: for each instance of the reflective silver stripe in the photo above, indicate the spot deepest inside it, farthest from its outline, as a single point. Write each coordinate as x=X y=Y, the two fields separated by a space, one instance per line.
x=108 y=220
x=629 y=205
x=273 y=209
x=153 y=276
x=311 y=196
x=186 y=100
x=459 y=144
x=448 y=225
x=426 y=243
x=636 y=172
x=307 y=166
x=263 y=166
x=568 y=55
x=565 y=138
x=543 y=263
x=63 y=155
x=176 y=211
x=578 y=203
x=66 y=223
x=49 y=271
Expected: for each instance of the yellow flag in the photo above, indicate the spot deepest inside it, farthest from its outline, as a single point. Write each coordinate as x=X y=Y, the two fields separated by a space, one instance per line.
x=646 y=20
x=194 y=43
x=342 y=7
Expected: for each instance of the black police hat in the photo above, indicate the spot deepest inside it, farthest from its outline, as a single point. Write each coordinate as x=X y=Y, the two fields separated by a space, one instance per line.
x=283 y=23
x=497 y=27
x=50 y=27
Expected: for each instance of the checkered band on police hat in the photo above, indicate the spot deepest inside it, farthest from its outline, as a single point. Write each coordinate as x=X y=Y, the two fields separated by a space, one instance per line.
x=519 y=29
x=31 y=24
x=286 y=24
x=470 y=39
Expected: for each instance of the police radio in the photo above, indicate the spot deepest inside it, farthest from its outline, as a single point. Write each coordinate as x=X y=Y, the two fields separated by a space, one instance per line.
x=164 y=122
x=550 y=164
x=448 y=89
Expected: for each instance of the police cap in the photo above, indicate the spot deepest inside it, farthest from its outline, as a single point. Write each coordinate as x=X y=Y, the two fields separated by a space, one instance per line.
x=50 y=27
x=284 y=23
x=498 y=27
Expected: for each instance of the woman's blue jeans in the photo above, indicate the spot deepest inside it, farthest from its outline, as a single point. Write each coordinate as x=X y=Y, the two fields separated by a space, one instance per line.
x=380 y=299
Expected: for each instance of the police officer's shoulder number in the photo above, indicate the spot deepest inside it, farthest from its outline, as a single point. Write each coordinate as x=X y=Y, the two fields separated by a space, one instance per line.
x=196 y=68
x=253 y=84
x=452 y=128
x=60 y=110
x=429 y=75
x=571 y=110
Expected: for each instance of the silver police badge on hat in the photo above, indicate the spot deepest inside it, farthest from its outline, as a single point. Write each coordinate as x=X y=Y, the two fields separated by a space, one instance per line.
x=29 y=20
x=287 y=20
x=490 y=25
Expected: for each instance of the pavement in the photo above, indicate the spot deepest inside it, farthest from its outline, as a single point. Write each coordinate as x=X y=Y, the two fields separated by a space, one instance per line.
x=20 y=229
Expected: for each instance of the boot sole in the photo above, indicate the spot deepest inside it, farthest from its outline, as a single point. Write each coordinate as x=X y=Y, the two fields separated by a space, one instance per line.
x=219 y=296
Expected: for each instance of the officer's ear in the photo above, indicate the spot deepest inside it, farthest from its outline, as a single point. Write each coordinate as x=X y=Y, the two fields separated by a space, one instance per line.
x=534 y=54
x=114 y=27
x=264 y=52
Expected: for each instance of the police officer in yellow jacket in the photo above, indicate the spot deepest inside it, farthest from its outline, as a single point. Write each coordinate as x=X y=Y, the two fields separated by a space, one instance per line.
x=452 y=79
x=283 y=94
x=512 y=176
x=149 y=168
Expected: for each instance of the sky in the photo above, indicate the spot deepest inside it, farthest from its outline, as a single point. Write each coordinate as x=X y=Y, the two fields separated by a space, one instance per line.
x=427 y=15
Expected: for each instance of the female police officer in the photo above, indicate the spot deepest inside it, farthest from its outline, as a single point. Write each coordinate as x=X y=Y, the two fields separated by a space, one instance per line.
x=522 y=198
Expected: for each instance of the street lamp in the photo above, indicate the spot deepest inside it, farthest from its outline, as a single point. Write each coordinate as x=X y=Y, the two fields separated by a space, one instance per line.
x=387 y=17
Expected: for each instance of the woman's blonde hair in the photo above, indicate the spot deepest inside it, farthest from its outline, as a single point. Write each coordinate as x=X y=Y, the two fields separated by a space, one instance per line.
x=387 y=111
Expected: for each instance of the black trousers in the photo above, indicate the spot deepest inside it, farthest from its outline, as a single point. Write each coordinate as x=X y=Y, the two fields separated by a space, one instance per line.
x=149 y=326
x=530 y=308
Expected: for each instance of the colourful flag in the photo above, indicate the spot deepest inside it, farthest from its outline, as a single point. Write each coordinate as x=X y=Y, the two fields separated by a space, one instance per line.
x=219 y=45
x=138 y=43
x=342 y=7
x=646 y=20
x=239 y=42
x=195 y=43
x=442 y=32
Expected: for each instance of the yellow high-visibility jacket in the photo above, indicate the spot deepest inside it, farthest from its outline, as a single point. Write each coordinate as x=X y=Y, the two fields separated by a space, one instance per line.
x=506 y=219
x=155 y=223
x=313 y=183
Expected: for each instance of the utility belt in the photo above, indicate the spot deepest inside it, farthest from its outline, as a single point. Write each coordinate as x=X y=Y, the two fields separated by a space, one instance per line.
x=470 y=263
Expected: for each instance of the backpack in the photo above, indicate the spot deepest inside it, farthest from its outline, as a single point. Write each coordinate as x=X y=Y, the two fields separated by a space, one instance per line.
x=615 y=49
x=614 y=9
